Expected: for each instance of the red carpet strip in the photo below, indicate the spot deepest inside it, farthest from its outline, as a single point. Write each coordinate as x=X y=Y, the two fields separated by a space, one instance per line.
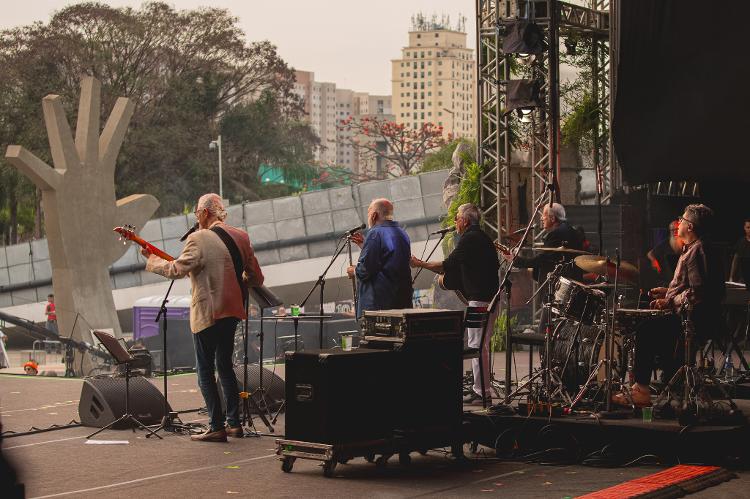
x=676 y=481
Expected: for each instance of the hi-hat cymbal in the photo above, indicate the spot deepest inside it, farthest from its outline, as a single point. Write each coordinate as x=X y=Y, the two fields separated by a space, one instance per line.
x=599 y=265
x=561 y=249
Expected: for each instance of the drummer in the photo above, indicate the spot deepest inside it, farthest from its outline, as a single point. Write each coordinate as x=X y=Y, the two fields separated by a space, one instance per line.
x=698 y=283
x=559 y=233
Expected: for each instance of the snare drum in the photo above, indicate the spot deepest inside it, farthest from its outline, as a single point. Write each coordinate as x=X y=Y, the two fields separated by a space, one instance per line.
x=577 y=301
x=628 y=320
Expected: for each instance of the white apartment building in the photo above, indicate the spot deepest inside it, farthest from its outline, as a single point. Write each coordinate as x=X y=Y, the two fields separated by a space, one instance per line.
x=327 y=106
x=434 y=81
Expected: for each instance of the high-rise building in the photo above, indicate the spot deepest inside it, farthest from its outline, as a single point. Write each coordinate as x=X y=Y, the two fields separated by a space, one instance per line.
x=326 y=107
x=434 y=80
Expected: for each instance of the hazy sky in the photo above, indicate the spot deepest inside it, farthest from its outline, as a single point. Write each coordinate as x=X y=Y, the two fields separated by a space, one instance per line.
x=348 y=42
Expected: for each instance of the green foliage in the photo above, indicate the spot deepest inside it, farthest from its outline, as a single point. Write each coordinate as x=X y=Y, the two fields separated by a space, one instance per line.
x=442 y=158
x=577 y=130
x=499 y=336
x=191 y=75
x=468 y=192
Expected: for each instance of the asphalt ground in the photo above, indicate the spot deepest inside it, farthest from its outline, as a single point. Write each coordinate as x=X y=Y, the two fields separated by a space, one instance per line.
x=60 y=463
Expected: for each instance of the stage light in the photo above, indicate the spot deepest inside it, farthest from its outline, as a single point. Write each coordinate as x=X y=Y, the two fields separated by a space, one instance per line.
x=525 y=115
x=523 y=37
x=570 y=46
x=522 y=95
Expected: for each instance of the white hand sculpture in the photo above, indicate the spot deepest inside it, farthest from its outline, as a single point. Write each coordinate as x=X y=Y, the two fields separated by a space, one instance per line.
x=80 y=209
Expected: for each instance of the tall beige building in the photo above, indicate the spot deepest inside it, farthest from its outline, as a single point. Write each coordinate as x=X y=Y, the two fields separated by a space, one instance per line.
x=434 y=81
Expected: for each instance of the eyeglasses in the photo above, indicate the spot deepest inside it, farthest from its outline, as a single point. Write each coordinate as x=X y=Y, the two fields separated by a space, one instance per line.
x=685 y=220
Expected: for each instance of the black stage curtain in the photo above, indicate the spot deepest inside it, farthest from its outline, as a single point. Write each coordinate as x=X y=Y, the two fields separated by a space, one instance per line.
x=683 y=101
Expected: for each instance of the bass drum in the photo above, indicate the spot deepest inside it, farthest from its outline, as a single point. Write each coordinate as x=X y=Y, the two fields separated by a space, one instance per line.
x=590 y=351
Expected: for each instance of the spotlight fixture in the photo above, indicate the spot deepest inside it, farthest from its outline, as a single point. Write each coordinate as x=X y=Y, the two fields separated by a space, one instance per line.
x=522 y=95
x=570 y=46
x=523 y=37
x=525 y=115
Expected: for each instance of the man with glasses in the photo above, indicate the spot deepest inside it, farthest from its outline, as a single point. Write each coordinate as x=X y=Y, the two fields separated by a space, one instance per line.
x=698 y=286
x=218 y=304
x=473 y=267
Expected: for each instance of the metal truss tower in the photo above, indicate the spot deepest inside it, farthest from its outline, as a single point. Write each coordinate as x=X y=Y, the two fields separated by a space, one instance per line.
x=557 y=20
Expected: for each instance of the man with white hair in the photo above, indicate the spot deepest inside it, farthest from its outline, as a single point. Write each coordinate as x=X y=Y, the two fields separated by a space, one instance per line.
x=221 y=264
x=558 y=233
x=472 y=268
x=382 y=271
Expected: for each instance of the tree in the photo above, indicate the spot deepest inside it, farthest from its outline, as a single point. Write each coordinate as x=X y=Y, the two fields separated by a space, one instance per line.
x=262 y=132
x=443 y=157
x=185 y=70
x=401 y=147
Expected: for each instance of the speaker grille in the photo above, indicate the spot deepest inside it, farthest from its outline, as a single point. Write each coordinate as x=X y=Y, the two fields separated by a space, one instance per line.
x=103 y=400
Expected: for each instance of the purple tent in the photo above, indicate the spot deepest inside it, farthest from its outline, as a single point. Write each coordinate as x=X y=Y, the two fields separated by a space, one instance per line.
x=146 y=309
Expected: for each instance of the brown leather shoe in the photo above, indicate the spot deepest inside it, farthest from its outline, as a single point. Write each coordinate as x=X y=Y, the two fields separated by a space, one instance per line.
x=640 y=398
x=235 y=431
x=211 y=436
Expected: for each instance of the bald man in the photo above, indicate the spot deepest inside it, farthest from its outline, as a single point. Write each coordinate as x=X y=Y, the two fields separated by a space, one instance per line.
x=382 y=271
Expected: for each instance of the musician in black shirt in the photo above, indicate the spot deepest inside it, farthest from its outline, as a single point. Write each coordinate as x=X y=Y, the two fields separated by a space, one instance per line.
x=472 y=269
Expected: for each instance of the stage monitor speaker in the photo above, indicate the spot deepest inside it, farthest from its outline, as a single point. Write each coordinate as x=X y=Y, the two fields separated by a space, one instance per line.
x=180 y=346
x=273 y=385
x=103 y=400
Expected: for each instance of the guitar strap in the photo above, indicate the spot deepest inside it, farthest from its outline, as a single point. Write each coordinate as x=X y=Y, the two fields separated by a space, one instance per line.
x=236 y=257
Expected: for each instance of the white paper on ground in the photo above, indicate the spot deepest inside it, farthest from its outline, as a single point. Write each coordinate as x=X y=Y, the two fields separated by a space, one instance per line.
x=108 y=442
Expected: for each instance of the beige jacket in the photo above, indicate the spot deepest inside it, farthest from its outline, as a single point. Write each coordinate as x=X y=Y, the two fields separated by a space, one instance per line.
x=206 y=259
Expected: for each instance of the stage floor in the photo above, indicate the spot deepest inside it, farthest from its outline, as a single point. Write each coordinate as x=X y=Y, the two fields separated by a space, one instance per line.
x=61 y=464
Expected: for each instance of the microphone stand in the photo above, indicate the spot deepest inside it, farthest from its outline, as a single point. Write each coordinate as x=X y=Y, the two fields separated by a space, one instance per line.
x=322 y=282
x=442 y=236
x=354 y=281
x=171 y=421
x=506 y=286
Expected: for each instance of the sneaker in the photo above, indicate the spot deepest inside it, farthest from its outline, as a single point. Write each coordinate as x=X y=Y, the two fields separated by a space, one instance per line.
x=473 y=398
x=235 y=431
x=211 y=436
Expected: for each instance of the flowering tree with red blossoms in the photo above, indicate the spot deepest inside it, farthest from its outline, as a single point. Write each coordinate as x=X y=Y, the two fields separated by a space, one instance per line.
x=405 y=147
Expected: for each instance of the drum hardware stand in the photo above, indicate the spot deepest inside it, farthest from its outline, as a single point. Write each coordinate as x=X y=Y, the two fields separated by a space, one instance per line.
x=506 y=286
x=694 y=389
x=609 y=347
x=553 y=385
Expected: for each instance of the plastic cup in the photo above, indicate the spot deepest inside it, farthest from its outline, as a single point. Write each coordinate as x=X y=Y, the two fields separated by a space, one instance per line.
x=346 y=342
x=295 y=310
x=648 y=414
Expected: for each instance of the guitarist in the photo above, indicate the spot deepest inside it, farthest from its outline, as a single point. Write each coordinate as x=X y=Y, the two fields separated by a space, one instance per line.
x=471 y=268
x=217 y=305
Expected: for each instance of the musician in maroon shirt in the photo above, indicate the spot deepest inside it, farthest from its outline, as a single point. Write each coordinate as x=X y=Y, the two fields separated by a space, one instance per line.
x=697 y=287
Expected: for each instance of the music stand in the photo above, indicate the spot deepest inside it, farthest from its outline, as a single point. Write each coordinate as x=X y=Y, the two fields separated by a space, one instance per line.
x=121 y=356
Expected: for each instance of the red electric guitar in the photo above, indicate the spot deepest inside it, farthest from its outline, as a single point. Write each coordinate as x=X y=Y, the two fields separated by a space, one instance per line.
x=128 y=232
x=261 y=294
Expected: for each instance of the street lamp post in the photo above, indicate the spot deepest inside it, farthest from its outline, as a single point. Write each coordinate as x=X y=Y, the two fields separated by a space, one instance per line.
x=216 y=144
x=453 y=124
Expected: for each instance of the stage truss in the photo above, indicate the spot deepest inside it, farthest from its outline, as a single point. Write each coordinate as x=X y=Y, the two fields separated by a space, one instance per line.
x=597 y=21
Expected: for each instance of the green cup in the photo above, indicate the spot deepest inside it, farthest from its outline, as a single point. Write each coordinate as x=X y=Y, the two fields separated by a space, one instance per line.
x=648 y=414
x=295 y=310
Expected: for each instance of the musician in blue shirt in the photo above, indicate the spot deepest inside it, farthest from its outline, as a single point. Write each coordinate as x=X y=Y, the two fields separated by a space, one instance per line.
x=382 y=271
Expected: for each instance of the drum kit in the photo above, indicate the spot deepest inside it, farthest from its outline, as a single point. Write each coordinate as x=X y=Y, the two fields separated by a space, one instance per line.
x=589 y=340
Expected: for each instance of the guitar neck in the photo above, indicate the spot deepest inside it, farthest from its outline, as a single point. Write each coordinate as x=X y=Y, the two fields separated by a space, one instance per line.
x=153 y=249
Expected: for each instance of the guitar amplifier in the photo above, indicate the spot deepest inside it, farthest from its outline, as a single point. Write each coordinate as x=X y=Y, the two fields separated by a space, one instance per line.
x=412 y=325
x=335 y=396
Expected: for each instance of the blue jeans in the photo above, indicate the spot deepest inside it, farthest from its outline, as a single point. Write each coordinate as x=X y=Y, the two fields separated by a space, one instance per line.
x=213 y=347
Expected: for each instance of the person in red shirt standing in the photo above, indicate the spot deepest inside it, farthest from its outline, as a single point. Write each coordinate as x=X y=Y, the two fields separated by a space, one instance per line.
x=51 y=323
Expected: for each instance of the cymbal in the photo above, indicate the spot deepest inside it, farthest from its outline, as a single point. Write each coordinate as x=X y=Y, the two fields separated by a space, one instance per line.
x=599 y=265
x=561 y=249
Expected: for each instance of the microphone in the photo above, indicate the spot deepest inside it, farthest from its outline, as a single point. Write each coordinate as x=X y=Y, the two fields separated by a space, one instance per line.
x=189 y=231
x=354 y=229
x=443 y=231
